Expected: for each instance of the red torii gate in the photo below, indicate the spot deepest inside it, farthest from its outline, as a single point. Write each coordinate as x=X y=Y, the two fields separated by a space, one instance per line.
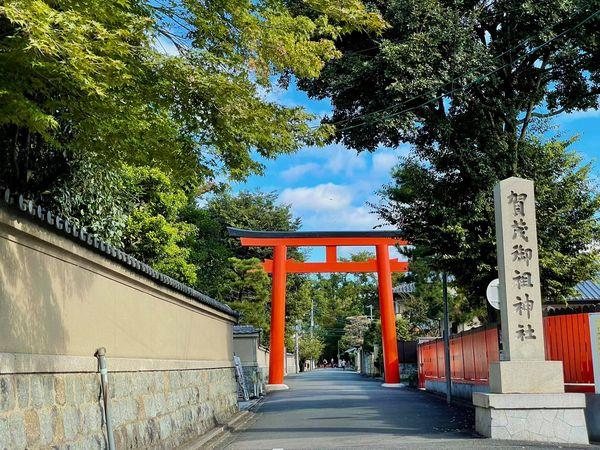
x=280 y=266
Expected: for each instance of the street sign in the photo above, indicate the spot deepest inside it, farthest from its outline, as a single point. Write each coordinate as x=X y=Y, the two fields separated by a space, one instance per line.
x=492 y=293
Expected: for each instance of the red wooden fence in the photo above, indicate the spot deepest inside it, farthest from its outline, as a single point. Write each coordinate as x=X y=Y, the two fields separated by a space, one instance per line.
x=567 y=339
x=470 y=355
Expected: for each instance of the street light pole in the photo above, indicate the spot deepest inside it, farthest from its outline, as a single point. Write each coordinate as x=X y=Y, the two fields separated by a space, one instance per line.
x=447 y=338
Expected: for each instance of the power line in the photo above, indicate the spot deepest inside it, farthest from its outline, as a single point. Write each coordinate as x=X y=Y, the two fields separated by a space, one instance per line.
x=387 y=108
x=462 y=87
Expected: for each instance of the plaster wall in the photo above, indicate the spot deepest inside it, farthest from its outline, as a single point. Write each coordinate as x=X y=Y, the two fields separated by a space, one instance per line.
x=60 y=298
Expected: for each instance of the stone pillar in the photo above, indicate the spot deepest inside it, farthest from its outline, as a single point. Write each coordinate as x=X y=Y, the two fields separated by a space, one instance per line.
x=526 y=399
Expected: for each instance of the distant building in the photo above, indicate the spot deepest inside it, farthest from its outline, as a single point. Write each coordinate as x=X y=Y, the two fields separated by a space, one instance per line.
x=402 y=292
x=587 y=298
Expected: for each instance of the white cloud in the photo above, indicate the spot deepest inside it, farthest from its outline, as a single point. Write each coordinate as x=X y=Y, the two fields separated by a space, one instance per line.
x=579 y=115
x=296 y=172
x=383 y=162
x=342 y=160
x=347 y=218
x=323 y=197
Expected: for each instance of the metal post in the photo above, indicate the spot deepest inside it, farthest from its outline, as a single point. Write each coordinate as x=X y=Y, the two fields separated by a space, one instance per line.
x=447 y=338
x=103 y=369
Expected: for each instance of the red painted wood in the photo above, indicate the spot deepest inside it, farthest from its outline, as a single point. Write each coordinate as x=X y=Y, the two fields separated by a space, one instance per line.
x=388 y=315
x=567 y=340
x=276 y=355
x=293 y=266
x=319 y=241
x=331 y=254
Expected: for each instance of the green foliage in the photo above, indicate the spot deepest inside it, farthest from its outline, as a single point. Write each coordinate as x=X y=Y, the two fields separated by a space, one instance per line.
x=178 y=85
x=390 y=89
x=451 y=219
x=154 y=231
x=100 y=200
x=212 y=246
x=310 y=347
x=354 y=332
x=339 y=296
x=423 y=309
x=433 y=47
x=246 y=287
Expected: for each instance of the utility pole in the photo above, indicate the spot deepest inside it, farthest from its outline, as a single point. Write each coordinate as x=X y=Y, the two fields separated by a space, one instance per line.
x=370 y=312
x=447 y=338
x=296 y=350
x=312 y=325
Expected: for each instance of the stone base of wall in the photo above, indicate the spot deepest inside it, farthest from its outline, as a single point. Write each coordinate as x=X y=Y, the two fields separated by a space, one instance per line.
x=459 y=390
x=159 y=409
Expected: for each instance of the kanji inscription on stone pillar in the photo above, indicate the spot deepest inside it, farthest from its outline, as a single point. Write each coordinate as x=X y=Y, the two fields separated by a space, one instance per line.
x=518 y=270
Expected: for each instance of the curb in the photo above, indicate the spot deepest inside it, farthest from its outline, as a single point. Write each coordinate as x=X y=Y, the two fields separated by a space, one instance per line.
x=216 y=435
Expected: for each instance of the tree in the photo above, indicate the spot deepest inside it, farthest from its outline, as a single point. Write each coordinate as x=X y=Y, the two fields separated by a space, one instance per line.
x=466 y=84
x=154 y=231
x=310 y=347
x=423 y=309
x=461 y=239
x=211 y=244
x=500 y=60
x=97 y=78
x=247 y=289
x=354 y=332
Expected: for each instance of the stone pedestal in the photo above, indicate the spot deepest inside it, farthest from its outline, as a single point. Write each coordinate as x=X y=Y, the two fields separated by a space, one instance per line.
x=556 y=418
x=535 y=377
x=276 y=387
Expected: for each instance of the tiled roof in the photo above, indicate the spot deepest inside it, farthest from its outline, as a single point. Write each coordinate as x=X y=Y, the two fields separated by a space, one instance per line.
x=404 y=288
x=589 y=291
x=245 y=329
x=59 y=225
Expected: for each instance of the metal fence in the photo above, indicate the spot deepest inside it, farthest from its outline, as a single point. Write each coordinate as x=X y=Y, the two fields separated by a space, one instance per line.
x=567 y=339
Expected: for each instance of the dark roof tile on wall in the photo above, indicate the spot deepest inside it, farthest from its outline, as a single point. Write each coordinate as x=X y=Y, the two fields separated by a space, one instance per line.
x=61 y=226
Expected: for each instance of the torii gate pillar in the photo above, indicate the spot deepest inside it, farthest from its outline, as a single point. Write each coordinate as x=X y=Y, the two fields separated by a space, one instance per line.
x=277 y=344
x=388 y=317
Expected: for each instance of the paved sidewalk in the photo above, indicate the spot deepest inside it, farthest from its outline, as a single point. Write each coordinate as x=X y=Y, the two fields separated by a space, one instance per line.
x=331 y=408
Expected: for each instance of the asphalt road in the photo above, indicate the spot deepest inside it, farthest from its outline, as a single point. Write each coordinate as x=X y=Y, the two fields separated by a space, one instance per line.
x=330 y=408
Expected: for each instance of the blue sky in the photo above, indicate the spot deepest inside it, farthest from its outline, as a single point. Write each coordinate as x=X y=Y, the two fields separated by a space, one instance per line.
x=329 y=188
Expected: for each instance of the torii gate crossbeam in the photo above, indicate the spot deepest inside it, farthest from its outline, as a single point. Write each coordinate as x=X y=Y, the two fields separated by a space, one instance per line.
x=280 y=266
